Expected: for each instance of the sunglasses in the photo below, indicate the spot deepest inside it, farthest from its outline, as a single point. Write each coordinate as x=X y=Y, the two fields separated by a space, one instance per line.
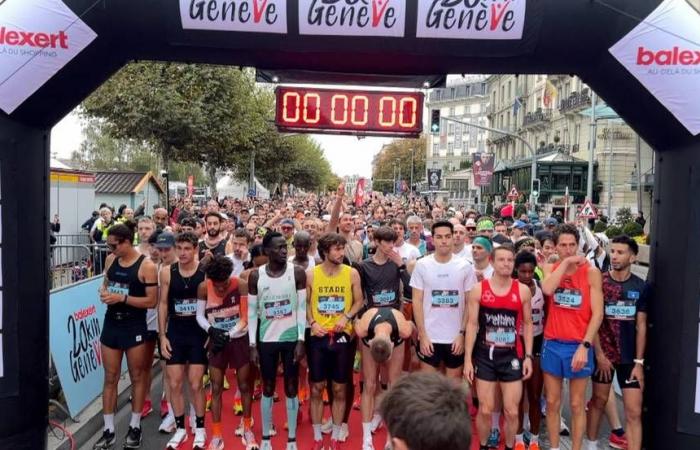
x=113 y=247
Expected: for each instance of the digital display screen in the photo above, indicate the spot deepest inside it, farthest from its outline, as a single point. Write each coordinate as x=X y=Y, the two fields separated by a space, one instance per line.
x=378 y=113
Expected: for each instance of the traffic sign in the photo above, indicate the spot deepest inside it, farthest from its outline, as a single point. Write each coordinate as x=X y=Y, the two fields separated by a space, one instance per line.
x=513 y=193
x=588 y=211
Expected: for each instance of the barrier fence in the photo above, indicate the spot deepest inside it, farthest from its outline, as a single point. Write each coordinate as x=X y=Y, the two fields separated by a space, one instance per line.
x=71 y=263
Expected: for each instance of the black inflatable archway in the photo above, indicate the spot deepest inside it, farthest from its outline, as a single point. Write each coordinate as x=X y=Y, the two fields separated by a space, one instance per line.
x=497 y=36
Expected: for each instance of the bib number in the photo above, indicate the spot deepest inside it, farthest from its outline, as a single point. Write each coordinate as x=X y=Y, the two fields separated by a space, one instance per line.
x=445 y=299
x=278 y=310
x=622 y=310
x=225 y=323
x=118 y=288
x=500 y=337
x=536 y=317
x=185 y=307
x=225 y=318
x=384 y=298
x=568 y=298
x=331 y=306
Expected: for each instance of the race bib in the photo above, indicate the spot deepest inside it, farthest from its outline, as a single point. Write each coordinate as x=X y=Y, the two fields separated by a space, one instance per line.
x=224 y=318
x=500 y=337
x=622 y=310
x=185 y=307
x=445 y=299
x=536 y=317
x=331 y=305
x=568 y=298
x=278 y=309
x=384 y=298
x=118 y=288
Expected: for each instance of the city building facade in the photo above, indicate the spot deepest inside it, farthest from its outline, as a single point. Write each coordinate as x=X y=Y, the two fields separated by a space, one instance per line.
x=552 y=113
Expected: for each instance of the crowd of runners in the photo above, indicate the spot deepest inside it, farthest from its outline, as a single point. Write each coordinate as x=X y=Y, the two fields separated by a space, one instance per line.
x=343 y=299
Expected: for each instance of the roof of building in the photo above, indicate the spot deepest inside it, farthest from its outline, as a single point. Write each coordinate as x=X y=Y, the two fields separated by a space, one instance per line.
x=552 y=157
x=115 y=182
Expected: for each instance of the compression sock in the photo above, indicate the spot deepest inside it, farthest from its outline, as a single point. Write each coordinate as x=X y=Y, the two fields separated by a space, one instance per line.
x=292 y=413
x=266 y=414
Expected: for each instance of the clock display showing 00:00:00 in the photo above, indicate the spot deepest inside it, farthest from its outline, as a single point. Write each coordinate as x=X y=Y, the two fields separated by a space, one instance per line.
x=361 y=111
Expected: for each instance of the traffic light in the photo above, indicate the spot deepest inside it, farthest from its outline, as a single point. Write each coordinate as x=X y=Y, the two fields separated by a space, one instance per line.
x=536 y=188
x=435 y=121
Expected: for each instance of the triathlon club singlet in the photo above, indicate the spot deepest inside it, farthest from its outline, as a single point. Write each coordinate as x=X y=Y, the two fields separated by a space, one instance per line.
x=331 y=297
x=381 y=283
x=278 y=305
x=125 y=281
x=225 y=311
x=569 y=309
x=500 y=318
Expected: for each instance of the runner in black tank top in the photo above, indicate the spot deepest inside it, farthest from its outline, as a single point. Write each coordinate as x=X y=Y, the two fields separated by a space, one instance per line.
x=129 y=288
x=381 y=276
x=182 y=340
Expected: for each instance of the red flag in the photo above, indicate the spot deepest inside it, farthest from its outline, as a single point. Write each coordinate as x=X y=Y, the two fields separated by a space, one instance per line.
x=360 y=192
x=190 y=185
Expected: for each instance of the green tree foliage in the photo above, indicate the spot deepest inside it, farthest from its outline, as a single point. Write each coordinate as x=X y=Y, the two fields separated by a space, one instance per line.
x=599 y=227
x=613 y=231
x=211 y=116
x=623 y=216
x=633 y=229
x=399 y=151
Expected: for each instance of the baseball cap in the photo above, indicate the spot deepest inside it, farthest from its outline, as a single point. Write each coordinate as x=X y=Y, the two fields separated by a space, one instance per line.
x=287 y=222
x=165 y=240
x=470 y=223
x=519 y=224
x=484 y=225
x=551 y=222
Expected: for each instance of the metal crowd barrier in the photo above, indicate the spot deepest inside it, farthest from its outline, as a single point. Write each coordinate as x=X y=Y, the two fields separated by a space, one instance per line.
x=71 y=263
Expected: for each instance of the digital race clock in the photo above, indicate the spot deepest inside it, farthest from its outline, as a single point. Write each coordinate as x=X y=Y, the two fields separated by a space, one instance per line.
x=383 y=113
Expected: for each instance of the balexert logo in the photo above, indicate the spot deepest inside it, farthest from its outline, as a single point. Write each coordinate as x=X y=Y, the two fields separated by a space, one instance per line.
x=673 y=57
x=33 y=39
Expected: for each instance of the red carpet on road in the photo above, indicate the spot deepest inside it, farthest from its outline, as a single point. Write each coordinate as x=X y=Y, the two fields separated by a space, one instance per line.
x=304 y=431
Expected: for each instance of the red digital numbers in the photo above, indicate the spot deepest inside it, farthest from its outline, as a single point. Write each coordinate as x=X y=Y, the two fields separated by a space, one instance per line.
x=351 y=112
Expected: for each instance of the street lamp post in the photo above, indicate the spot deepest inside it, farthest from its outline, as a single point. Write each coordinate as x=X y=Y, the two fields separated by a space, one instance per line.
x=413 y=151
x=533 y=167
x=398 y=182
x=591 y=147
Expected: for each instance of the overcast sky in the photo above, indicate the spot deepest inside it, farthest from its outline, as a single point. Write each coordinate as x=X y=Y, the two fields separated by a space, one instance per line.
x=347 y=154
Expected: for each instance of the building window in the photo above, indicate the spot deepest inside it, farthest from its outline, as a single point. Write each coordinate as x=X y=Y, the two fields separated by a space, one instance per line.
x=452 y=112
x=510 y=92
x=450 y=149
x=436 y=150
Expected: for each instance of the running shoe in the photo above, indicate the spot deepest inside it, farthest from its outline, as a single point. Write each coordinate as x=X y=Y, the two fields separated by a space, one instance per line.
x=193 y=422
x=147 y=408
x=164 y=410
x=200 y=439
x=616 y=441
x=249 y=441
x=265 y=444
x=106 y=441
x=327 y=426
x=205 y=379
x=367 y=444
x=344 y=432
x=534 y=446
x=227 y=386
x=179 y=438
x=356 y=404
x=519 y=446
x=133 y=438
x=240 y=429
x=494 y=438
x=216 y=444
x=292 y=445
x=167 y=426
x=325 y=397
x=335 y=445
x=318 y=445
x=376 y=422
x=563 y=429
x=208 y=401
x=357 y=363
x=303 y=394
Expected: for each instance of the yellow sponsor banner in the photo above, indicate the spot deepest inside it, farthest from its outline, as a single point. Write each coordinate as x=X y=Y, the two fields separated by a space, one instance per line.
x=61 y=177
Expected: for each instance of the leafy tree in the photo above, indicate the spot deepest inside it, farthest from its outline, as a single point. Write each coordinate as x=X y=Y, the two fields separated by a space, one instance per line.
x=623 y=216
x=633 y=229
x=613 y=231
x=398 y=153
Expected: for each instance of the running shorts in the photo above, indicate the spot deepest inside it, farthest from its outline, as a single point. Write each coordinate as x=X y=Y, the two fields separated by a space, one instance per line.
x=624 y=372
x=123 y=334
x=271 y=353
x=442 y=353
x=330 y=358
x=234 y=355
x=188 y=345
x=497 y=364
x=557 y=356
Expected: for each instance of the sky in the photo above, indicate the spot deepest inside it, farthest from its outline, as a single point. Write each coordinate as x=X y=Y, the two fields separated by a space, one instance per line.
x=347 y=154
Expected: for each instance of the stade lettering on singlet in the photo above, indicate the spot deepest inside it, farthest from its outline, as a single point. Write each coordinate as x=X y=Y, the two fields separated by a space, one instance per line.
x=76 y=317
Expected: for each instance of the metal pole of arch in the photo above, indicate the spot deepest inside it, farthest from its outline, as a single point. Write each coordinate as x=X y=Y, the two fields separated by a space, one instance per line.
x=533 y=167
x=591 y=148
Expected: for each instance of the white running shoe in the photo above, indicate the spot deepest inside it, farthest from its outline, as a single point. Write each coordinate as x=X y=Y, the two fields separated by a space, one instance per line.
x=367 y=444
x=376 y=422
x=563 y=429
x=327 y=426
x=193 y=422
x=249 y=441
x=344 y=432
x=179 y=438
x=200 y=439
x=216 y=444
x=265 y=445
x=291 y=446
x=167 y=425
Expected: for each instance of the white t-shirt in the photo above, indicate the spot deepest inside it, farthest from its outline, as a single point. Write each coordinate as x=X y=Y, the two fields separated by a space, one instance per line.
x=312 y=261
x=465 y=253
x=238 y=263
x=408 y=252
x=487 y=272
x=444 y=286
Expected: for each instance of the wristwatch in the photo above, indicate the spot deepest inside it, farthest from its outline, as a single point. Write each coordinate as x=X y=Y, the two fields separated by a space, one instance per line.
x=463 y=332
x=639 y=361
x=586 y=344
x=528 y=356
x=349 y=317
